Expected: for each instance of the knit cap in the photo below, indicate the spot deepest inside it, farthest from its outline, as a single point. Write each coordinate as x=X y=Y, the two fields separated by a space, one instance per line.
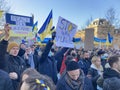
x=72 y=65
x=11 y=45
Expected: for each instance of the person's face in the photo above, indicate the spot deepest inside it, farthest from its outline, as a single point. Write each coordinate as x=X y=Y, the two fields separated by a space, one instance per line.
x=28 y=50
x=74 y=74
x=14 y=51
x=33 y=48
x=22 y=46
x=86 y=55
x=98 y=62
x=24 y=86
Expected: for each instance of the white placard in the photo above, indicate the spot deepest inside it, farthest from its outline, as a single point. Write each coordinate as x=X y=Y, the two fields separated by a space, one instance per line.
x=65 y=31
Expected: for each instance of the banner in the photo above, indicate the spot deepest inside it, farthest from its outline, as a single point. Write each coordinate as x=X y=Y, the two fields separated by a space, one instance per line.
x=21 y=26
x=65 y=31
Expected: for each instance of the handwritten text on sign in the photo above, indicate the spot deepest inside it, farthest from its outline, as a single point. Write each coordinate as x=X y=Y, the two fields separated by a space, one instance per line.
x=65 y=31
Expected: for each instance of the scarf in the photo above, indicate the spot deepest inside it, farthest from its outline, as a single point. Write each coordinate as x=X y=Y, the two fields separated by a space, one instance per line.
x=31 y=61
x=75 y=84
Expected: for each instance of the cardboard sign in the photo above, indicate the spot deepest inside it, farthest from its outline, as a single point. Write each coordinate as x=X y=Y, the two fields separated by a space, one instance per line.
x=65 y=31
x=89 y=39
x=20 y=25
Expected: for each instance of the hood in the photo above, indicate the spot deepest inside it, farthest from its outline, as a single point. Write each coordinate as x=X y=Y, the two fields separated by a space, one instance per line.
x=109 y=73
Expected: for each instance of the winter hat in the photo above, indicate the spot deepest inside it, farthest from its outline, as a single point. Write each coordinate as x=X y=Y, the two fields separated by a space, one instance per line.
x=11 y=45
x=72 y=65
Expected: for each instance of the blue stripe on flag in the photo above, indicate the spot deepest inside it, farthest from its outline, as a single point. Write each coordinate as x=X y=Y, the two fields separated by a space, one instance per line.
x=47 y=21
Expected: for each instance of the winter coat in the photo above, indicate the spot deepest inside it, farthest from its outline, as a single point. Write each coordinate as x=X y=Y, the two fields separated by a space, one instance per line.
x=3 y=49
x=35 y=60
x=93 y=72
x=59 y=57
x=84 y=65
x=12 y=63
x=5 y=81
x=63 y=85
x=47 y=65
x=111 y=80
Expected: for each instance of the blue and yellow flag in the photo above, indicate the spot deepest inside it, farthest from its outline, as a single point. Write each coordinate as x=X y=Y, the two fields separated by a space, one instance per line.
x=34 y=29
x=110 y=38
x=46 y=27
x=1 y=13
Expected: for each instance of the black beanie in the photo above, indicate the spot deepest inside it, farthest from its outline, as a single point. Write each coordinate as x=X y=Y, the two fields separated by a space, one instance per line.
x=72 y=65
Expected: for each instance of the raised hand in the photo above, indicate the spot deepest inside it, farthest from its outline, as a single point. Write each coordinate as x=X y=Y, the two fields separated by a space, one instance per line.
x=7 y=31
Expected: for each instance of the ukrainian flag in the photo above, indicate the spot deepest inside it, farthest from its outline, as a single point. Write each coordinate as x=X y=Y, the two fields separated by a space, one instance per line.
x=45 y=30
x=34 y=28
x=1 y=13
x=110 y=38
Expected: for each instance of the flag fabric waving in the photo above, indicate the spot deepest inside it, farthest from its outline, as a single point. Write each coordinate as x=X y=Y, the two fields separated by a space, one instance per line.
x=110 y=38
x=1 y=13
x=46 y=27
x=34 y=29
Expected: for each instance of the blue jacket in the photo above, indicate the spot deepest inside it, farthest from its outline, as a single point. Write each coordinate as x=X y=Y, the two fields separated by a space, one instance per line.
x=5 y=81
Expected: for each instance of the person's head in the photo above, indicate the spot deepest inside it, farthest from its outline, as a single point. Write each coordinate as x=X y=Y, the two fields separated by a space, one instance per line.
x=73 y=70
x=29 y=72
x=86 y=55
x=73 y=53
x=13 y=48
x=33 y=47
x=38 y=83
x=114 y=62
x=68 y=59
x=96 y=61
x=22 y=46
x=28 y=49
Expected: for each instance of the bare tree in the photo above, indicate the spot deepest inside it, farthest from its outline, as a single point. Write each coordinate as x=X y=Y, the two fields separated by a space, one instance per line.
x=112 y=17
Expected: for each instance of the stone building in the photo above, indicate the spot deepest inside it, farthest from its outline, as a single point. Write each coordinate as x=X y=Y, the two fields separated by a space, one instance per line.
x=101 y=29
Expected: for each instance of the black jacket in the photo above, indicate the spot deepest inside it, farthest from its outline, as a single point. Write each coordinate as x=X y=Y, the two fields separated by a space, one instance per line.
x=94 y=77
x=84 y=65
x=5 y=81
x=12 y=63
x=111 y=80
x=3 y=49
x=59 y=57
x=47 y=65
x=35 y=60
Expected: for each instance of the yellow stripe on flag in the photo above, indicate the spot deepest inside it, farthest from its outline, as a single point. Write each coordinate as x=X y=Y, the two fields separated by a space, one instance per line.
x=1 y=13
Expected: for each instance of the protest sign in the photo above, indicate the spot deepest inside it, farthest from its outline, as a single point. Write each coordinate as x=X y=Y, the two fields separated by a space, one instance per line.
x=20 y=25
x=65 y=31
x=89 y=39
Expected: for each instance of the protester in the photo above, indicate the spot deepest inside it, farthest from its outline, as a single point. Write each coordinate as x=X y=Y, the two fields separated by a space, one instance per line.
x=5 y=81
x=29 y=72
x=74 y=79
x=95 y=71
x=31 y=59
x=73 y=54
x=14 y=64
x=47 y=64
x=38 y=83
x=85 y=62
x=112 y=75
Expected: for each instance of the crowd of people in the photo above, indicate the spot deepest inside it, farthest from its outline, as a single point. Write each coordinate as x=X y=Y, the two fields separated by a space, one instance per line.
x=31 y=67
